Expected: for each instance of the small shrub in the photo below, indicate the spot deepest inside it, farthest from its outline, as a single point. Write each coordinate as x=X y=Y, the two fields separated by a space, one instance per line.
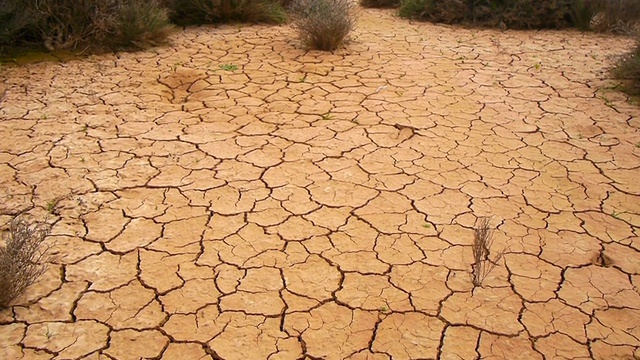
x=16 y=20
x=583 y=12
x=195 y=12
x=67 y=24
x=21 y=259
x=141 y=22
x=618 y=16
x=627 y=69
x=482 y=242
x=323 y=24
x=380 y=3
x=516 y=14
x=415 y=9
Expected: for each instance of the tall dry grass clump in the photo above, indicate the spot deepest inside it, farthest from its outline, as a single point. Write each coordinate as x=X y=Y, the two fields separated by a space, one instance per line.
x=21 y=258
x=323 y=24
x=483 y=264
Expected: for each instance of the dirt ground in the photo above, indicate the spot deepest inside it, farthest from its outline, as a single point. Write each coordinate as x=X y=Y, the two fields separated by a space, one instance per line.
x=232 y=196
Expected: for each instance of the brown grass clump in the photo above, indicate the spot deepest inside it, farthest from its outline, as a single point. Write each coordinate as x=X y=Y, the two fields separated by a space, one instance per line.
x=21 y=259
x=323 y=24
x=482 y=242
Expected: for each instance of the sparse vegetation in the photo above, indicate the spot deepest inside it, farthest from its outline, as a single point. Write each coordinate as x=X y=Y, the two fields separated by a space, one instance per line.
x=627 y=69
x=323 y=24
x=21 y=259
x=98 y=25
x=601 y=15
x=74 y=24
x=193 y=12
x=380 y=3
x=229 y=67
x=482 y=242
x=327 y=116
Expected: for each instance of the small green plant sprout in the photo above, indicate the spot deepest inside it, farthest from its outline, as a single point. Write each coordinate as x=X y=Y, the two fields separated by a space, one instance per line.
x=384 y=309
x=426 y=226
x=229 y=67
x=616 y=214
x=303 y=78
x=327 y=116
x=537 y=65
x=482 y=242
x=22 y=258
x=49 y=334
x=44 y=117
x=51 y=204
x=85 y=128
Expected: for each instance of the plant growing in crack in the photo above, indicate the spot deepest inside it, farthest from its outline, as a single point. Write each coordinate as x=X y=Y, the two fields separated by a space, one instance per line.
x=616 y=214
x=51 y=204
x=482 y=242
x=327 y=116
x=229 y=67
x=49 y=334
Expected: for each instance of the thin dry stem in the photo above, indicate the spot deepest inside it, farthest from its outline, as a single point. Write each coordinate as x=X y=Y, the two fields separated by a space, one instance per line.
x=482 y=242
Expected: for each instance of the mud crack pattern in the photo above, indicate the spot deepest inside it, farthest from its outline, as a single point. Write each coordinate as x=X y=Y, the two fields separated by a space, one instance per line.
x=321 y=206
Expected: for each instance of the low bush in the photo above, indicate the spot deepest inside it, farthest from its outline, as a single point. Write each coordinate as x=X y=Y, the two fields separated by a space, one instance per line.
x=68 y=24
x=195 y=12
x=618 y=16
x=380 y=3
x=21 y=259
x=627 y=69
x=17 y=22
x=323 y=24
x=141 y=22
x=526 y=14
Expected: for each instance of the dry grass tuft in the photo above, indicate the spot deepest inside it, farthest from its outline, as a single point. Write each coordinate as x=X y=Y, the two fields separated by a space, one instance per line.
x=482 y=242
x=323 y=24
x=21 y=258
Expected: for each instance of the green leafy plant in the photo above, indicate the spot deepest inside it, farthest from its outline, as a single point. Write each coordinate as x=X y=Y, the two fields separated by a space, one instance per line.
x=323 y=24
x=21 y=258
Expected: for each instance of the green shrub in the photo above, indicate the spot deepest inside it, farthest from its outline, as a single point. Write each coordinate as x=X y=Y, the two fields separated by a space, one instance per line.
x=21 y=259
x=415 y=9
x=65 y=24
x=380 y=3
x=619 y=16
x=517 y=14
x=17 y=21
x=627 y=69
x=323 y=24
x=141 y=22
x=584 y=11
x=191 y=12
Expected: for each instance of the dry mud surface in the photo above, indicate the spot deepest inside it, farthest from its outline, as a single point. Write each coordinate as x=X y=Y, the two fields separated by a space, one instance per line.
x=307 y=205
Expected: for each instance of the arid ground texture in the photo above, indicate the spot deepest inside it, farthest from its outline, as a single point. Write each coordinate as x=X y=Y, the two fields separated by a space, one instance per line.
x=232 y=196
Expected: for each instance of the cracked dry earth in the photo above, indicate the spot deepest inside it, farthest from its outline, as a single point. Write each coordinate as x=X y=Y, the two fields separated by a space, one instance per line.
x=311 y=205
